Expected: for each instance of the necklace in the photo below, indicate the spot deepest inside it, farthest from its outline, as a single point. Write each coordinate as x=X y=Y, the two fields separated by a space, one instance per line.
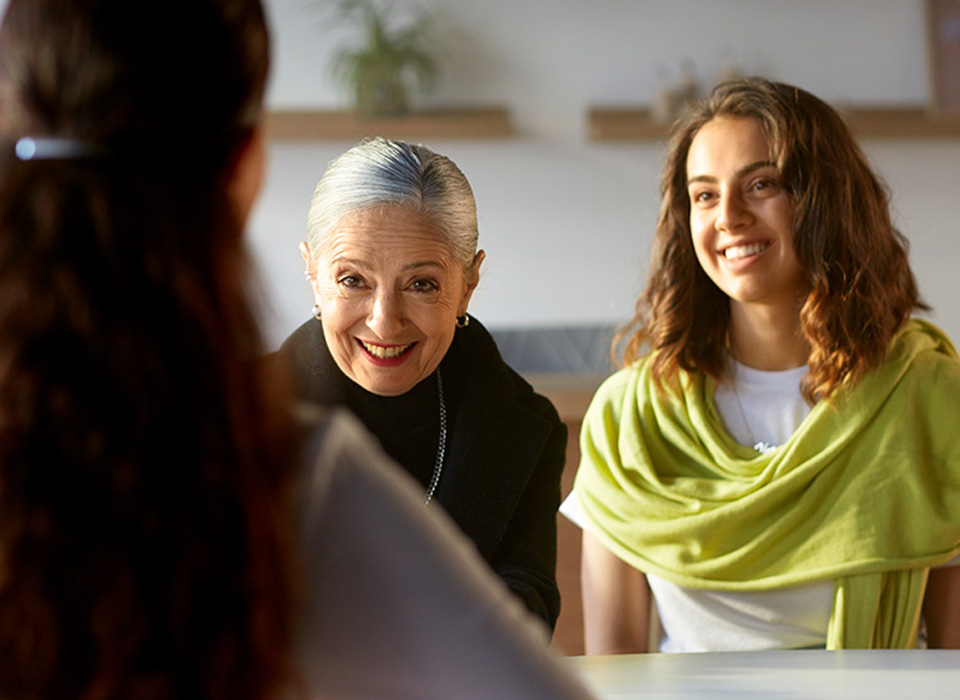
x=442 y=448
x=760 y=446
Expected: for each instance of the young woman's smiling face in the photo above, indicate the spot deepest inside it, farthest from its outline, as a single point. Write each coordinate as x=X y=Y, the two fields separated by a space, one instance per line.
x=741 y=216
x=389 y=292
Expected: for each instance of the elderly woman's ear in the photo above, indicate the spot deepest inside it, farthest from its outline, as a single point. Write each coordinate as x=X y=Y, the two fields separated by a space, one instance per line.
x=308 y=261
x=473 y=279
x=310 y=269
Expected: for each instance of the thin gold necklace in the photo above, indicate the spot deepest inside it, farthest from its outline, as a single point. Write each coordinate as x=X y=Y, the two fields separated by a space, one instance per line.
x=760 y=446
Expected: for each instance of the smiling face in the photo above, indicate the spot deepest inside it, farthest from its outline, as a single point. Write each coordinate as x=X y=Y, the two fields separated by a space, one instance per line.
x=389 y=292
x=742 y=217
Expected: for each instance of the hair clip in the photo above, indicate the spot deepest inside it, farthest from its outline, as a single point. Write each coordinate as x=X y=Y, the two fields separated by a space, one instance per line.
x=52 y=148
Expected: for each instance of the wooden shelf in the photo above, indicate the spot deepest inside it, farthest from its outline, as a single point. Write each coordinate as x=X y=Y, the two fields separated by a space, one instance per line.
x=322 y=125
x=624 y=124
x=902 y=123
x=635 y=124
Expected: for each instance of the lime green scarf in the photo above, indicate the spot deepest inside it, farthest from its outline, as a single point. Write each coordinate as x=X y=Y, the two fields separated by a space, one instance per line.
x=866 y=492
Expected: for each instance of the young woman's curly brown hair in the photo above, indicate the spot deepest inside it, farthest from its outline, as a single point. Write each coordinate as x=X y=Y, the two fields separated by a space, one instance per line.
x=144 y=452
x=861 y=288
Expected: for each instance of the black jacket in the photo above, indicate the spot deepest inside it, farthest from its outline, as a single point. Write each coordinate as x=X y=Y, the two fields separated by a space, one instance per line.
x=505 y=453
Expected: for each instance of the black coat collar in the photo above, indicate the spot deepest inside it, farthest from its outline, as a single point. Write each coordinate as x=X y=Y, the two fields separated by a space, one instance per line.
x=497 y=437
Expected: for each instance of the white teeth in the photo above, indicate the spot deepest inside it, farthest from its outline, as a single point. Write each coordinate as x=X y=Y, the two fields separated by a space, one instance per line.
x=743 y=251
x=385 y=353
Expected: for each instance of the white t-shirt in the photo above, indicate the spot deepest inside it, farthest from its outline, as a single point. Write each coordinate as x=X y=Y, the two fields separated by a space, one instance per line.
x=761 y=409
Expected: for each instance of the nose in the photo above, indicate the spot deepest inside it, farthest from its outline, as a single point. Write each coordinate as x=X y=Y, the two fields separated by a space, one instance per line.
x=732 y=212
x=386 y=315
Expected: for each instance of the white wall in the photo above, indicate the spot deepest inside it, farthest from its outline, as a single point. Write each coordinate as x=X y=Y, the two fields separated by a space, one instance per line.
x=548 y=59
x=567 y=223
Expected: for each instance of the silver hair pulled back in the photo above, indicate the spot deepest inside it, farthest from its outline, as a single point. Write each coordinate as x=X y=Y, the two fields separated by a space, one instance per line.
x=30 y=148
x=380 y=172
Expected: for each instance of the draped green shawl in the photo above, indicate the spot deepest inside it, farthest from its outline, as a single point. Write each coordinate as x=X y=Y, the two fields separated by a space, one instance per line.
x=866 y=492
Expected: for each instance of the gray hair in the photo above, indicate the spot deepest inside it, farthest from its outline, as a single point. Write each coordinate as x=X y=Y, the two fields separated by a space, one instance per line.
x=381 y=172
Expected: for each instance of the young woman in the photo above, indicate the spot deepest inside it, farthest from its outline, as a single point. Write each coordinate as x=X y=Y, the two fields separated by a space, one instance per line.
x=777 y=465
x=167 y=529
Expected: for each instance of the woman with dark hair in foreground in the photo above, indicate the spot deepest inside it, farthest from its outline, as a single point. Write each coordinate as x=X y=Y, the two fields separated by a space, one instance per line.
x=167 y=528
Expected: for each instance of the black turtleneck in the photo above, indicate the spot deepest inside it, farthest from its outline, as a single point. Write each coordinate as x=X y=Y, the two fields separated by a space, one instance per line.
x=408 y=425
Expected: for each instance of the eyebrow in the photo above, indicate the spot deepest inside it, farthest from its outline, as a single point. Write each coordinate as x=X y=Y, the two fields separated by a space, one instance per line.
x=745 y=170
x=406 y=268
x=423 y=264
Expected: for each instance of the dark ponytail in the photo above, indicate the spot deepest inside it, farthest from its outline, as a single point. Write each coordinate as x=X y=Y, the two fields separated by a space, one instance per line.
x=145 y=451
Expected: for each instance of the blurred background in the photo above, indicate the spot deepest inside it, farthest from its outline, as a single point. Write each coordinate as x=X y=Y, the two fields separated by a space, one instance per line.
x=567 y=217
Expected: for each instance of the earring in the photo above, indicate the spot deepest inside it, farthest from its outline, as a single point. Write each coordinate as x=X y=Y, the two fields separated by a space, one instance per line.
x=463 y=321
x=316 y=312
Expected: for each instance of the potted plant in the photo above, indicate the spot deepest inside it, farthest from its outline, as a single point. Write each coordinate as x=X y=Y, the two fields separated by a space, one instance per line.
x=391 y=62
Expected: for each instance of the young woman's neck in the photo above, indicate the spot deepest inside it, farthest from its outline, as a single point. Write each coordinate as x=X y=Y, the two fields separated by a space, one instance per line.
x=766 y=338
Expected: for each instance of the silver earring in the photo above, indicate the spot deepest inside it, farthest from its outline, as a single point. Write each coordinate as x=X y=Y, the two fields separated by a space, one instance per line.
x=316 y=312
x=463 y=321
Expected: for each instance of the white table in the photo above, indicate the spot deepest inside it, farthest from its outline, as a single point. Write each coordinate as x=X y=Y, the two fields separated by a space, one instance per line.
x=774 y=675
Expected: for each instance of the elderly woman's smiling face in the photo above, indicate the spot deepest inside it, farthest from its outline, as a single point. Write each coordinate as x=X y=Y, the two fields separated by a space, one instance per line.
x=389 y=291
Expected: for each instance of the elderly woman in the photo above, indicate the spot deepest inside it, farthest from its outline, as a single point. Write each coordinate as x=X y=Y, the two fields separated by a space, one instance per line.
x=392 y=259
